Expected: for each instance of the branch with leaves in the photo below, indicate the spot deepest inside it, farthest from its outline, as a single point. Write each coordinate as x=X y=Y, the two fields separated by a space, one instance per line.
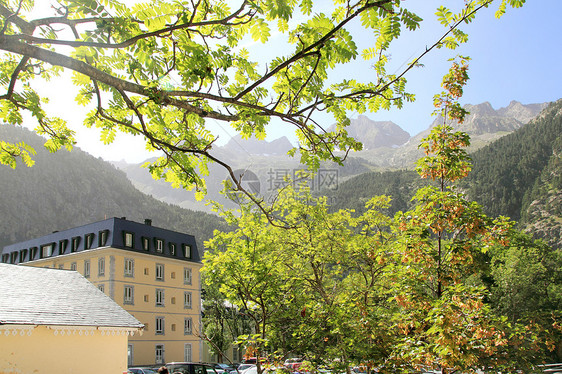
x=161 y=70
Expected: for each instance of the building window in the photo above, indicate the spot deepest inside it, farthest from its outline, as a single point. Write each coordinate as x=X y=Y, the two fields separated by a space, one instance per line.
x=61 y=266
x=128 y=295
x=173 y=327
x=160 y=353
x=159 y=297
x=5 y=258
x=173 y=300
x=159 y=326
x=63 y=244
x=13 y=257
x=146 y=298
x=75 y=243
x=187 y=352
x=101 y=287
x=32 y=253
x=102 y=238
x=159 y=245
x=88 y=241
x=86 y=268
x=146 y=271
x=23 y=254
x=145 y=244
x=73 y=266
x=47 y=250
x=129 y=267
x=128 y=239
x=186 y=251
x=172 y=248
x=130 y=355
x=187 y=300
x=187 y=328
x=186 y=275
x=160 y=272
x=101 y=266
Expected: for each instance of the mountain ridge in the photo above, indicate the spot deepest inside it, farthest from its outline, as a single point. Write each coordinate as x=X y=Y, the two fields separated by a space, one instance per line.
x=386 y=147
x=67 y=189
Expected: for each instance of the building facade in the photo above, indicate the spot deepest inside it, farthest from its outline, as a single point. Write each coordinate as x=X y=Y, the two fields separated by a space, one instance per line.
x=153 y=273
x=55 y=321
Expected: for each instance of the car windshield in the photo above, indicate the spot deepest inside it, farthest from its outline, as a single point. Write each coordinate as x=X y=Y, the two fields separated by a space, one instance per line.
x=178 y=368
x=244 y=367
x=251 y=370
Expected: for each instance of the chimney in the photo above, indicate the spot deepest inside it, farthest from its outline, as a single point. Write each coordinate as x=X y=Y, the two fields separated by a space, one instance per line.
x=148 y=222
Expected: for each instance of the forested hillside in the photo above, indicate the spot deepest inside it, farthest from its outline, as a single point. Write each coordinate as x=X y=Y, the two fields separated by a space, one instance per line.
x=67 y=189
x=506 y=170
x=355 y=192
x=518 y=175
x=542 y=206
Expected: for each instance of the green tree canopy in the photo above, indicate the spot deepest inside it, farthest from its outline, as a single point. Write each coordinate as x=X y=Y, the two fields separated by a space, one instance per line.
x=396 y=293
x=160 y=69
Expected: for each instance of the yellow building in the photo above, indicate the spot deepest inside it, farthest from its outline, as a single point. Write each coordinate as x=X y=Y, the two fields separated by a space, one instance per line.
x=151 y=272
x=55 y=321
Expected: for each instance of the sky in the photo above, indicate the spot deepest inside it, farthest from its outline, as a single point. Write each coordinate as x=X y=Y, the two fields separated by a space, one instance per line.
x=514 y=58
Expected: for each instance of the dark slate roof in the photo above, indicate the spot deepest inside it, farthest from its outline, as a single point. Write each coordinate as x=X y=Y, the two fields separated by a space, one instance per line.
x=113 y=230
x=42 y=296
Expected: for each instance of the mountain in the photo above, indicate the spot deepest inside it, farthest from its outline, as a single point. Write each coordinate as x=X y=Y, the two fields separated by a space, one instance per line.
x=376 y=134
x=542 y=213
x=522 y=113
x=518 y=175
x=386 y=147
x=484 y=124
x=507 y=169
x=253 y=146
x=68 y=189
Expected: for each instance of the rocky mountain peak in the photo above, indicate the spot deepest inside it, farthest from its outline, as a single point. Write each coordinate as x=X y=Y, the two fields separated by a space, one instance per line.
x=483 y=109
x=254 y=146
x=522 y=113
x=376 y=134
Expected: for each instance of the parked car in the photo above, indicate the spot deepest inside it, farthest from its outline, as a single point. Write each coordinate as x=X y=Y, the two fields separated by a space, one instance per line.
x=243 y=367
x=190 y=368
x=251 y=370
x=226 y=368
x=142 y=370
x=293 y=364
x=254 y=370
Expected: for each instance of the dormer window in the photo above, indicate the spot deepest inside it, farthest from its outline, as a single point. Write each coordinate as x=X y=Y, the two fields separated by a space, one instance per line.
x=159 y=243
x=63 y=244
x=88 y=241
x=186 y=251
x=74 y=244
x=172 y=248
x=145 y=243
x=32 y=253
x=128 y=239
x=47 y=250
x=102 y=238
x=23 y=254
